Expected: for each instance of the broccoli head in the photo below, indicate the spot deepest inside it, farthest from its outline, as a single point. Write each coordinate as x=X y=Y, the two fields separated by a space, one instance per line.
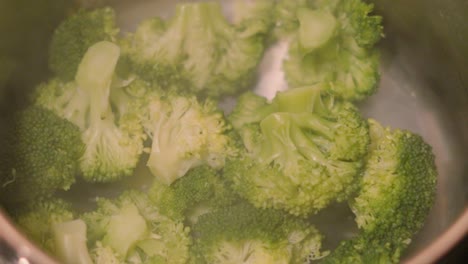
x=186 y=133
x=75 y=35
x=200 y=191
x=245 y=234
x=50 y=223
x=39 y=156
x=396 y=194
x=332 y=42
x=253 y=17
x=113 y=146
x=198 y=49
x=131 y=228
x=302 y=157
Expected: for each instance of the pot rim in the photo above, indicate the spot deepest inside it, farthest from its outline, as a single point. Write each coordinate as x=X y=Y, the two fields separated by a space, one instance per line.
x=444 y=242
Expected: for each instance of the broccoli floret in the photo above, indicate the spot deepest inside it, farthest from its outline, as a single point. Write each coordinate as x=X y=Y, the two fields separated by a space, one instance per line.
x=245 y=234
x=70 y=242
x=75 y=35
x=253 y=17
x=302 y=157
x=198 y=50
x=186 y=133
x=332 y=41
x=286 y=21
x=113 y=147
x=38 y=218
x=397 y=192
x=132 y=229
x=40 y=155
x=200 y=191
x=251 y=108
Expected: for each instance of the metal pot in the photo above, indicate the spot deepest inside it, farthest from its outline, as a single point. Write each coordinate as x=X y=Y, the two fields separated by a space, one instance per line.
x=424 y=88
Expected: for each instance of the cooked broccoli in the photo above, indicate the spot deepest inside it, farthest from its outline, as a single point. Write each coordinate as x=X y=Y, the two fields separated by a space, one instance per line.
x=302 y=157
x=75 y=35
x=50 y=223
x=198 y=50
x=132 y=229
x=200 y=191
x=185 y=133
x=113 y=147
x=245 y=234
x=332 y=42
x=397 y=192
x=253 y=17
x=39 y=155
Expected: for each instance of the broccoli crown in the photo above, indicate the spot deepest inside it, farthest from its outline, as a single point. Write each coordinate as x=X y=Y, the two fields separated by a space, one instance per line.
x=245 y=234
x=332 y=41
x=253 y=17
x=199 y=192
x=398 y=186
x=251 y=108
x=302 y=157
x=131 y=228
x=38 y=218
x=73 y=37
x=186 y=133
x=198 y=50
x=39 y=155
x=113 y=147
x=397 y=192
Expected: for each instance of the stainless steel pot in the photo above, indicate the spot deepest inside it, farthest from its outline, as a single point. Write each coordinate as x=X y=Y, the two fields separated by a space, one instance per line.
x=424 y=88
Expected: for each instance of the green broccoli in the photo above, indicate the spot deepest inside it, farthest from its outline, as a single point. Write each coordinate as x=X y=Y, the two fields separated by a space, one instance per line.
x=303 y=156
x=200 y=191
x=253 y=17
x=39 y=155
x=113 y=147
x=198 y=50
x=132 y=229
x=245 y=234
x=185 y=133
x=75 y=35
x=397 y=192
x=50 y=223
x=332 y=42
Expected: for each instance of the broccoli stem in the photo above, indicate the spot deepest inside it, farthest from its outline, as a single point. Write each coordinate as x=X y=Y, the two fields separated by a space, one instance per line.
x=94 y=77
x=70 y=240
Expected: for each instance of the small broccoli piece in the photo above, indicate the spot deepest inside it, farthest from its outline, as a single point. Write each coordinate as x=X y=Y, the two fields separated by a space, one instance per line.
x=70 y=242
x=186 y=133
x=253 y=17
x=113 y=147
x=332 y=41
x=251 y=108
x=302 y=157
x=75 y=35
x=198 y=50
x=38 y=218
x=245 y=234
x=132 y=229
x=286 y=21
x=39 y=156
x=200 y=191
x=397 y=192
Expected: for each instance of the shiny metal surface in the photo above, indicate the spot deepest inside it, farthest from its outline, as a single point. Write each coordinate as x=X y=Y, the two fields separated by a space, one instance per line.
x=424 y=88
